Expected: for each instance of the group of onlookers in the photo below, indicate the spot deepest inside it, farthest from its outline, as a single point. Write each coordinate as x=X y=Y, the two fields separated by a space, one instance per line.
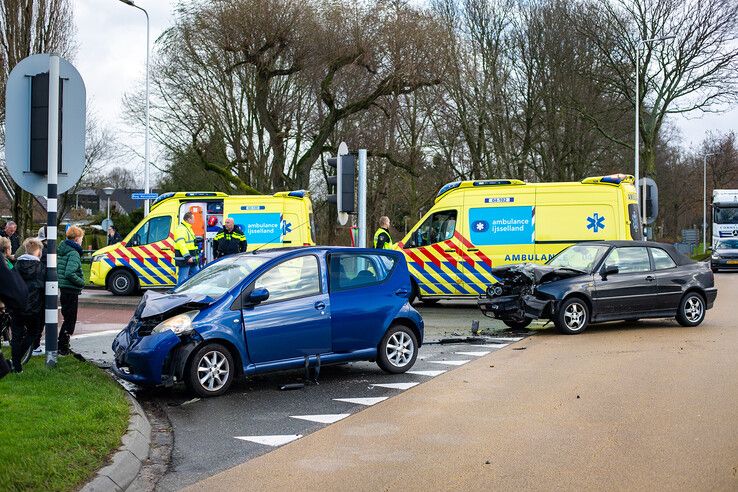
x=23 y=289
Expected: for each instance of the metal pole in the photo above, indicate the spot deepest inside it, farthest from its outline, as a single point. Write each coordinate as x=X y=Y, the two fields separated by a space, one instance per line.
x=637 y=123
x=147 y=188
x=52 y=286
x=108 y=208
x=362 y=198
x=704 y=203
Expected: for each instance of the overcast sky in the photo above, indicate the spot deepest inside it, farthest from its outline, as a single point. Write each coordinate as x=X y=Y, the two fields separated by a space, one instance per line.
x=111 y=55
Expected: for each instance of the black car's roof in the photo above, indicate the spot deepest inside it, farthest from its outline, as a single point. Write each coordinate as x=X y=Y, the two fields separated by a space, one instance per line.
x=678 y=258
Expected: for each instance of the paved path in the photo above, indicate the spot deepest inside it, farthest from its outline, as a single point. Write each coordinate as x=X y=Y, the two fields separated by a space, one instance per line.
x=635 y=407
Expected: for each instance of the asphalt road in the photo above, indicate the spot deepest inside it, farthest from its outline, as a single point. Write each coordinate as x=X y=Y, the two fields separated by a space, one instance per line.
x=623 y=406
x=256 y=408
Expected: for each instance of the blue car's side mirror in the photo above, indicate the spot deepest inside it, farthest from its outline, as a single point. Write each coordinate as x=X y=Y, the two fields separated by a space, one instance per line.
x=257 y=296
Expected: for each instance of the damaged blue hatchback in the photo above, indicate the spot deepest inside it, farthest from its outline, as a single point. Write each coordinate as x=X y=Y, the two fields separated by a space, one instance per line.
x=273 y=310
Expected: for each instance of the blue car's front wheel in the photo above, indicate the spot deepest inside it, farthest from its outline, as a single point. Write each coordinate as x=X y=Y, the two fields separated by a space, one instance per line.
x=211 y=370
x=398 y=349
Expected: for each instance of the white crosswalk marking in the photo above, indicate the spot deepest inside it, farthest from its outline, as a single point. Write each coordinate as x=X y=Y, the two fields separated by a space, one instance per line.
x=362 y=401
x=398 y=386
x=329 y=418
x=474 y=354
x=273 y=441
x=449 y=362
x=427 y=373
x=497 y=346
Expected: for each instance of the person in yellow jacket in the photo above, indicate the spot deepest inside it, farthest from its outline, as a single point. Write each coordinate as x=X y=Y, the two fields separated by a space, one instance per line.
x=186 y=253
x=382 y=238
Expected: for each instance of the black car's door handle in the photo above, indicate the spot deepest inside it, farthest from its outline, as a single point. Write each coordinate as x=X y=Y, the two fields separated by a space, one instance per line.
x=320 y=305
x=650 y=278
x=401 y=292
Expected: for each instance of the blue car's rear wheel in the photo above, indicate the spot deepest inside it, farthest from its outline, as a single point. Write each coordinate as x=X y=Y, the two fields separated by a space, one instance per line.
x=211 y=370
x=398 y=350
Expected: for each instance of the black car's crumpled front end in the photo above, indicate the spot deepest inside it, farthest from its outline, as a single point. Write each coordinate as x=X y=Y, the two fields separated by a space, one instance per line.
x=515 y=298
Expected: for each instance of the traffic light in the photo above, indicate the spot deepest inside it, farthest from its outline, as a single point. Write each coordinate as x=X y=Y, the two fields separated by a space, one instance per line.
x=342 y=183
x=40 y=123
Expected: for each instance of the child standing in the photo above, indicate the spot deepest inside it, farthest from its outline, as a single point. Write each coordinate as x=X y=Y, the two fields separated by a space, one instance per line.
x=29 y=323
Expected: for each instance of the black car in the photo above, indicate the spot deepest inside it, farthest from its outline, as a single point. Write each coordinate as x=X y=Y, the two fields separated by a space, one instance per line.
x=602 y=281
x=725 y=255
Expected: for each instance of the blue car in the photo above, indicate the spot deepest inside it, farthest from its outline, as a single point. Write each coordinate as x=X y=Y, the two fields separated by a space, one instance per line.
x=258 y=312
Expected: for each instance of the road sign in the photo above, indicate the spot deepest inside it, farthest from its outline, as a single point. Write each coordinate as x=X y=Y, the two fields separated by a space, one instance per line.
x=106 y=223
x=26 y=124
x=651 y=199
x=144 y=196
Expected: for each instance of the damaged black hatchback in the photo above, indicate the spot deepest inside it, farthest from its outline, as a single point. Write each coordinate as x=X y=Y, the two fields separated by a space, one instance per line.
x=602 y=281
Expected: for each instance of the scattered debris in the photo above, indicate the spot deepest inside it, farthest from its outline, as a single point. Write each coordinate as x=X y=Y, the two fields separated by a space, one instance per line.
x=292 y=386
x=488 y=462
x=519 y=348
x=190 y=401
x=475 y=327
x=578 y=397
x=491 y=366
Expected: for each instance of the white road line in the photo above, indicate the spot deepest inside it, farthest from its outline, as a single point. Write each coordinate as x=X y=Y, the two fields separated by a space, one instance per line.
x=362 y=401
x=329 y=418
x=449 y=362
x=397 y=386
x=96 y=334
x=499 y=345
x=426 y=373
x=504 y=340
x=273 y=441
x=474 y=354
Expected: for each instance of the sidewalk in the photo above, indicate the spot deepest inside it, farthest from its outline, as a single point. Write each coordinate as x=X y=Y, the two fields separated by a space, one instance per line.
x=651 y=406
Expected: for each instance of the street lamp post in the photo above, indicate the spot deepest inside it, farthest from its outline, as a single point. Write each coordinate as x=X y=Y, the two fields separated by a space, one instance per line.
x=108 y=191
x=704 y=200
x=147 y=188
x=641 y=194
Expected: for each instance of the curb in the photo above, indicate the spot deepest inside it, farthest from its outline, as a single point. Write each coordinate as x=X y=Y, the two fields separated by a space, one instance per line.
x=126 y=462
x=117 y=302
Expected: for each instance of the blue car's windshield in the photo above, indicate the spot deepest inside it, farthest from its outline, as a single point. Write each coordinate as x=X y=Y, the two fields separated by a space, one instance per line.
x=582 y=257
x=219 y=278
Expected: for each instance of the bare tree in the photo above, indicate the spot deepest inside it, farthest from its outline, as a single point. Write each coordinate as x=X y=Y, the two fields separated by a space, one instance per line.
x=696 y=70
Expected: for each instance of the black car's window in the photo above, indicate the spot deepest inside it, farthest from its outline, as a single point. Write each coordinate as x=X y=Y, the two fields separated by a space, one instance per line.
x=438 y=227
x=298 y=277
x=629 y=260
x=582 y=257
x=661 y=259
x=348 y=271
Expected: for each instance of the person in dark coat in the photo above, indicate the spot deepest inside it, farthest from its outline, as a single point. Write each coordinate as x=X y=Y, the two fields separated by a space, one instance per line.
x=113 y=236
x=29 y=322
x=229 y=240
x=11 y=232
x=71 y=283
x=13 y=291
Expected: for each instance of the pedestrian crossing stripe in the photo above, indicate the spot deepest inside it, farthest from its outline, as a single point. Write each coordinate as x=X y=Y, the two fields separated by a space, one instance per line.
x=474 y=354
x=274 y=441
x=363 y=401
x=449 y=362
x=399 y=386
x=431 y=374
x=329 y=418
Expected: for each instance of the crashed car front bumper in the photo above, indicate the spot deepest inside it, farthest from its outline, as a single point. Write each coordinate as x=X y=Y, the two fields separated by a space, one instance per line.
x=513 y=306
x=141 y=360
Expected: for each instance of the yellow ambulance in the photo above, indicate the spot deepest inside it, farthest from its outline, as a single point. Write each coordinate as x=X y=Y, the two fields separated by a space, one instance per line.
x=145 y=258
x=477 y=225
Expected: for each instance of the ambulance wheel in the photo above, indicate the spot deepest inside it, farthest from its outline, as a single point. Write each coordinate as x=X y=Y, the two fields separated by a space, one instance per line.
x=516 y=324
x=122 y=283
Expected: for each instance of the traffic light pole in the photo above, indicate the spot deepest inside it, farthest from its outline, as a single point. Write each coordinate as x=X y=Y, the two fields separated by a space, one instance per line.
x=362 y=198
x=52 y=286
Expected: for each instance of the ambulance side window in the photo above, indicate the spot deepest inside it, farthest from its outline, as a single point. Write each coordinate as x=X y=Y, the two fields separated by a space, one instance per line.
x=437 y=228
x=153 y=230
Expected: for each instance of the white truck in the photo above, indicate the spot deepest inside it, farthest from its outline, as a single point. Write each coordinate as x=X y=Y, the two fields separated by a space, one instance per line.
x=724 y=215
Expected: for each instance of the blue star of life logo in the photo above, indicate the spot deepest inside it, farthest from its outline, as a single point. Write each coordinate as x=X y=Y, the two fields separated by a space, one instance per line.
x=596 y=222
x=480 y=226
x=285 y=226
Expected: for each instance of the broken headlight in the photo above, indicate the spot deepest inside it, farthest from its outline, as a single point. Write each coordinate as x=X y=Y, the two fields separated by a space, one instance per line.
x=180 y=324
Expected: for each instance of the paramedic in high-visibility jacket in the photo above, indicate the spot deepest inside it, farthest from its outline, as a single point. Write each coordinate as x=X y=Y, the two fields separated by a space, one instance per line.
x=186 y=253
x=382 y=238
x=229 y=240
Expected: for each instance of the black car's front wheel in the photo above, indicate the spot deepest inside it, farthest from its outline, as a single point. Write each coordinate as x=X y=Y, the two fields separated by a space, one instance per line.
x=691 y=309
x=211 y=371
x=397 y=350
x=573 y=316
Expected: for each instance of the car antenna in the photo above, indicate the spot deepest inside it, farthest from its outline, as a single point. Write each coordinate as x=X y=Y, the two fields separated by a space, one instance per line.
x=277 y=237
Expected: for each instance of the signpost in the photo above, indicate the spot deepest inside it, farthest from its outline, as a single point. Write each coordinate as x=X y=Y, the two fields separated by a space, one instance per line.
x=45 y=149
x=144 y=196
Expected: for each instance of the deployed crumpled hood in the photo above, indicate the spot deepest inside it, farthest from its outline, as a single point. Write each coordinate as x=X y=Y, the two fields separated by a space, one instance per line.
x=535 y=274
x=154 y=303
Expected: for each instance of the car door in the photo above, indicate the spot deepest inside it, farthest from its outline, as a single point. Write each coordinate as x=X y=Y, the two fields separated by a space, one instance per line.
x=669 y=280
x=365 y=296
x=630 y=291
x=149 y=253
x=295 y=320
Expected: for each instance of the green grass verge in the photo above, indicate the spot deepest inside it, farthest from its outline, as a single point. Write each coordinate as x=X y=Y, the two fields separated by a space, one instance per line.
x=86 y=272
x=58 y=426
